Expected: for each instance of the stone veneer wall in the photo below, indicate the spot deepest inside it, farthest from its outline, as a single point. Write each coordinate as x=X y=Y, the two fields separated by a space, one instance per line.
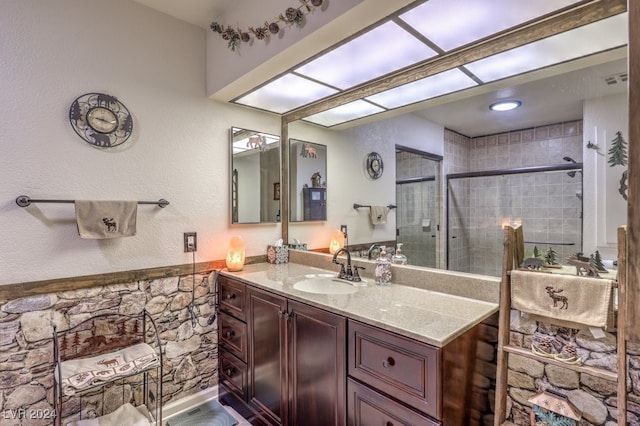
x=595 y=397
x=26 y=350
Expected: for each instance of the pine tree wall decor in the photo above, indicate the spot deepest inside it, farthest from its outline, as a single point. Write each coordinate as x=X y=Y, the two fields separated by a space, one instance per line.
x=618 y=157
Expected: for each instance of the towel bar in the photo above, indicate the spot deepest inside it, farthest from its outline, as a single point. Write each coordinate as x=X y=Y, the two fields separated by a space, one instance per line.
x=357 y=206
x=24 y=201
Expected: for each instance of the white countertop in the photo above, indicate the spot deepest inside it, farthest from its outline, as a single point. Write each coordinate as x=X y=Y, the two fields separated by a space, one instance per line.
x=428 y=316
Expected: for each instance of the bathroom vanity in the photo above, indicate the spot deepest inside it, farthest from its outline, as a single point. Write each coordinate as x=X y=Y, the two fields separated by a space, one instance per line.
x=298 y=347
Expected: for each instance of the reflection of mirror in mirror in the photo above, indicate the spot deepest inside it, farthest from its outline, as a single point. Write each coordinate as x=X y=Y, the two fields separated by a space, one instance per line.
x=307 y=181
x=255 y=177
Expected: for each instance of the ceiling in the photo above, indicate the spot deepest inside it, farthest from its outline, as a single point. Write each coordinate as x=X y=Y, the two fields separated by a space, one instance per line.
x=551 y=77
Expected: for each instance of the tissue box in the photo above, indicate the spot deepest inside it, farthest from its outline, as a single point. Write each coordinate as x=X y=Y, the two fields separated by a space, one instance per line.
x=277 y=254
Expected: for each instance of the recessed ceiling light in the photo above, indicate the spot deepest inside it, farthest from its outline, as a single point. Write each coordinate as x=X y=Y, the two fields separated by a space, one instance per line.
x=504 y=105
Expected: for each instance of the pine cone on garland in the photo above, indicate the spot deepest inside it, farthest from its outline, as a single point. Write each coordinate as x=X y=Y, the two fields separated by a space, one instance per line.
x=216 y=28
x=290 y=14
x=230 y=34
x=274 y=28
x=260 y=33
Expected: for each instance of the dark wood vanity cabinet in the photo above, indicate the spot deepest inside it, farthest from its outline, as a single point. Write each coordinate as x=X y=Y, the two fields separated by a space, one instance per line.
x=295 y=360
x=395 y=380
x=314 y=203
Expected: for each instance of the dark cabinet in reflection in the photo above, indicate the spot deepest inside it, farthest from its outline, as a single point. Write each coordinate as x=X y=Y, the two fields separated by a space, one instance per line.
x=315 y=203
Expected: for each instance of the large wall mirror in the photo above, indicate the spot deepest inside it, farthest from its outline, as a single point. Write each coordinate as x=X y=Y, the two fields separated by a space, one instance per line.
x=307 y=181
x=546 y=164
x=255 y=177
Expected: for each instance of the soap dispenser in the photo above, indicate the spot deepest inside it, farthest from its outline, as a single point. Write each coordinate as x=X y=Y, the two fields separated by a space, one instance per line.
x=383 y=268
x=399 y=258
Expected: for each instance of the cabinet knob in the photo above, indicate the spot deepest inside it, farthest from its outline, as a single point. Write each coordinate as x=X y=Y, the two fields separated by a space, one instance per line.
x=231 y=371
x=389 y=362
x=284 y=314
x=229 y=334
x=388 y=424
x=230 y=296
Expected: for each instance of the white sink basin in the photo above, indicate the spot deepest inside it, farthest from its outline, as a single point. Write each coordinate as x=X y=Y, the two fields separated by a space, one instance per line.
x=323 y=284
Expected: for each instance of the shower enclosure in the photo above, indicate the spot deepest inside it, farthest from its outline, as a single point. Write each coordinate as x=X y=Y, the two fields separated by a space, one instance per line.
x=545 y=200
x=418 y=205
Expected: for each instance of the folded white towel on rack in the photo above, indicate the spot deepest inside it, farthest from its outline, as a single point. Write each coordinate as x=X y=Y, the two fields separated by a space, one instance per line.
x=125 y=415
x=106 y=219
x=564 y=300
x=379 y=215
x=82 y=373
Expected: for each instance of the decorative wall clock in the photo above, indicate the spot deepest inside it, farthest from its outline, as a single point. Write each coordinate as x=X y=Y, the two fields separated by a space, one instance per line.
x=375 y=167
x=101 y=120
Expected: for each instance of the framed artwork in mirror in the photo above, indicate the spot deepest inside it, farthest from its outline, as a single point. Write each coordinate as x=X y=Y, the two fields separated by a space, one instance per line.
x=276 y=191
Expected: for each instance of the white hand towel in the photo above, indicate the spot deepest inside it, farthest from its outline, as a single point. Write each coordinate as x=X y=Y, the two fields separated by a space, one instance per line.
x=379 y=215
x=106 y=219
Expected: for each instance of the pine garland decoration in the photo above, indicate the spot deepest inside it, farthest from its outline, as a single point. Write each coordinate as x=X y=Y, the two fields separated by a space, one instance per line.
x=291 y=16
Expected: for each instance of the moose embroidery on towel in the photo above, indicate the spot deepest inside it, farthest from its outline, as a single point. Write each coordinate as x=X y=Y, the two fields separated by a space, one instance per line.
x=108 y=362
x=111 y=224
x=553 y=294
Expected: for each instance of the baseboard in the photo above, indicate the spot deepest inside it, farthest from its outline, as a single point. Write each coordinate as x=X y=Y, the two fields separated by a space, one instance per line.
x=188 y=402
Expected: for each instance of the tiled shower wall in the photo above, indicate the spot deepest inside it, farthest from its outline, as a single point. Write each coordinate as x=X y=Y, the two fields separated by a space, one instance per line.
x=418 y=206
x=549 y=205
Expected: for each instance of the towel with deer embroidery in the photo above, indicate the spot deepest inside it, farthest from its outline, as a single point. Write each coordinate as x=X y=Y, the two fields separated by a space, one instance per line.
x=570 y=301
x=106 y=219
x=81 y=373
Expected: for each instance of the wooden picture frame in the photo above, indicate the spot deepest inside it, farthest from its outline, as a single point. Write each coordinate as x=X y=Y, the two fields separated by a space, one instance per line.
x=276 y=191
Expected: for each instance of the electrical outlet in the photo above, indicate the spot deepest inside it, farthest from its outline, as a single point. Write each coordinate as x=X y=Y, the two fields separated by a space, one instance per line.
x=190 y=242
x=343 y=229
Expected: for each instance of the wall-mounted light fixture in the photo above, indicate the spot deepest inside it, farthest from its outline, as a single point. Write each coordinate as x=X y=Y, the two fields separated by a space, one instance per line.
x=504 y=105
x=235 y=255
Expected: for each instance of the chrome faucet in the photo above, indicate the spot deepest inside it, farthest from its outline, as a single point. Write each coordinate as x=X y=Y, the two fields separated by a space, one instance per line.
x=371 y=249
x=349 y=274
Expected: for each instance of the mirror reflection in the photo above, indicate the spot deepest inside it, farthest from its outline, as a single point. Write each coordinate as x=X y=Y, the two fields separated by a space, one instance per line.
x=418 y=205
x=255 y=177
x=307 y=181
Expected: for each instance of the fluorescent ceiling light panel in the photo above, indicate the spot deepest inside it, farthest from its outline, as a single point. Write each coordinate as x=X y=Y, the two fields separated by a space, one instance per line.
x=563 y=47
x=426 y=88
x=453 y=24
x=377 y=52
x=285 y=94
x=344 y=113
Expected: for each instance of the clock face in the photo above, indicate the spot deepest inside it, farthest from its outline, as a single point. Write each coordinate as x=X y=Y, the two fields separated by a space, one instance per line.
x=101 y=120
x=375 y=166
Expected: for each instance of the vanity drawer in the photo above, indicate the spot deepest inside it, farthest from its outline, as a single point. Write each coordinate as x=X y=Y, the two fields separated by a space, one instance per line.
x=368 y=407
x=233 y=297
x=233 y=374
x=398 y=366
x=232 y=335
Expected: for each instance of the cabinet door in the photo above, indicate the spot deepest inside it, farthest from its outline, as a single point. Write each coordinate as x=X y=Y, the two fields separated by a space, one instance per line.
x=315 y=203
x=267 y=354
x=317 y=366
